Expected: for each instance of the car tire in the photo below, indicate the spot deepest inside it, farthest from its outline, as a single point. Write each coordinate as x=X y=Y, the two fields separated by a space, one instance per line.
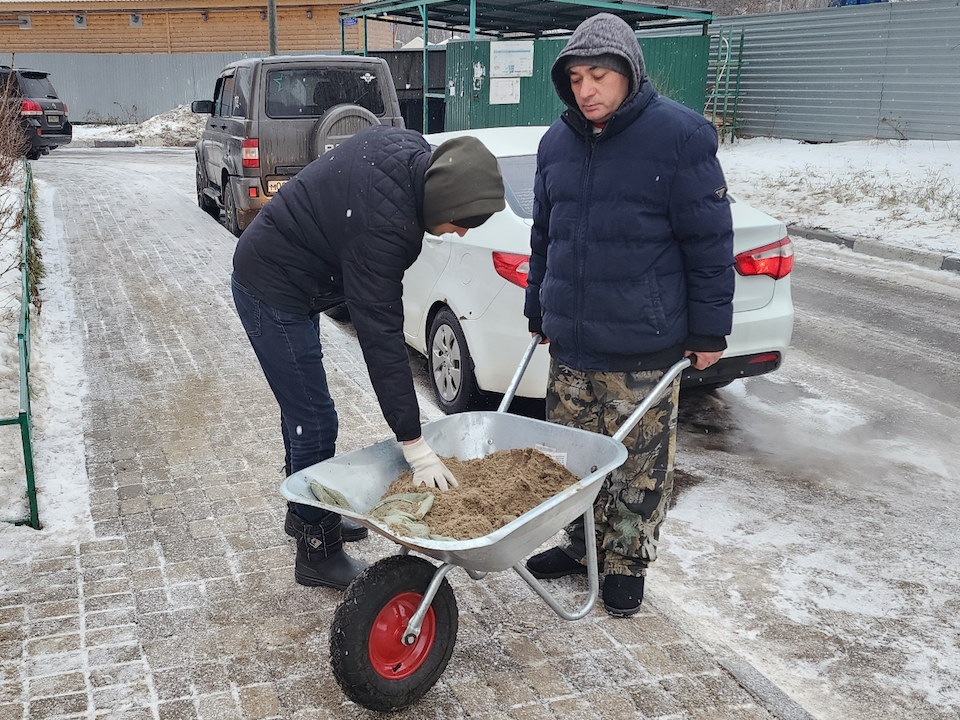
x=340 y=313
x=34 y=154
x=231 y=217
x=206 y=203
x=449 y=365
x=337 y=124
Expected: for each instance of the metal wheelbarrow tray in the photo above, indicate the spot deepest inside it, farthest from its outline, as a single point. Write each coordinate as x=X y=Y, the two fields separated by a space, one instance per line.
x=364 y=475
x=393 y=634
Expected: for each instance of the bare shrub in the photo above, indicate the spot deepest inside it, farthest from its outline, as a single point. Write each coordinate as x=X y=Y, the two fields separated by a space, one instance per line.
x=13 y=143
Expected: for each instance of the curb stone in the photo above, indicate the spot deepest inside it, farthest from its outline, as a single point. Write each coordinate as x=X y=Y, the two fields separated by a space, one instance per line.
x=931 y=260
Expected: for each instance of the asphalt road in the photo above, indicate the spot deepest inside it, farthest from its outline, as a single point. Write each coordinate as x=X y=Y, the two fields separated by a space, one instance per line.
x=816 y=517
x=815 y=522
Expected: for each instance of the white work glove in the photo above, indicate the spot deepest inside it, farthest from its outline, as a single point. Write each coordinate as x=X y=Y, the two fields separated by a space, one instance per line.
x=428 y=469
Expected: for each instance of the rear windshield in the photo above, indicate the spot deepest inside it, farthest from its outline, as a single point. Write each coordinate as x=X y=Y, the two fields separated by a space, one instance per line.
x=310 y=92
x=518 y=173
x=36 y=85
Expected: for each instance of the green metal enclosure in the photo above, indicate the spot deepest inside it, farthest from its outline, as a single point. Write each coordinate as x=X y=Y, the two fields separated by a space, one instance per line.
x=677 y=66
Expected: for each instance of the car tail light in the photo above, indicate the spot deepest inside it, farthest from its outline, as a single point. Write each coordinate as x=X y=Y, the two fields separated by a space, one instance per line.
x=251 y=153
x=775 y=260
x=30 y=107
x=64 y=109
x=513 y=268
x=253 y=192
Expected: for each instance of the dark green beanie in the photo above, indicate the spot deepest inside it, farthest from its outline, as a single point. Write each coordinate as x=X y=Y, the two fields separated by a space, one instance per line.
x=462 y=182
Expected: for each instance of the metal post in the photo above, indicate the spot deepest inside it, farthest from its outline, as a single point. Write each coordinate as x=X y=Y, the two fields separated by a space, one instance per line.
x=272 y=25
x=426 y=69
x=343 y=38
x=473 y=19
x=364 y=35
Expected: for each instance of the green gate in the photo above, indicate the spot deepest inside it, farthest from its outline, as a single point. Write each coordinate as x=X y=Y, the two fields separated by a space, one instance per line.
x=677 y=66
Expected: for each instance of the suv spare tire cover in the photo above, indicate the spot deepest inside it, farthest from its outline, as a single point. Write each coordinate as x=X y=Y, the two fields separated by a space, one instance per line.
x=337 y=124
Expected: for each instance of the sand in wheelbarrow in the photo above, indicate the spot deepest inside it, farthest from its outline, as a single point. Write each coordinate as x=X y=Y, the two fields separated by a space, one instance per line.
x=493 y=491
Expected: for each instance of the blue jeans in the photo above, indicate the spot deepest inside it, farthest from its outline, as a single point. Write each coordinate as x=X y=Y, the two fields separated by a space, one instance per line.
x=288 y=348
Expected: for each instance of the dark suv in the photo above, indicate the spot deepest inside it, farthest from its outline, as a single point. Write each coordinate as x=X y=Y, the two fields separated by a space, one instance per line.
x=270 y=117
x=43 y=115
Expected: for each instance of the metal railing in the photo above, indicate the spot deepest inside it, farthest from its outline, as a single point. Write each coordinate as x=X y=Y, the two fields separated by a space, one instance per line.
x=23 y=418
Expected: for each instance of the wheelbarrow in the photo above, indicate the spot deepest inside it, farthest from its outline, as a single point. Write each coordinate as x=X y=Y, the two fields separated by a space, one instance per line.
x=394 y=631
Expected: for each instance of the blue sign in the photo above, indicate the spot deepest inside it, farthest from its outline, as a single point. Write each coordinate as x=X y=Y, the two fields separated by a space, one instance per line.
x=346 y=22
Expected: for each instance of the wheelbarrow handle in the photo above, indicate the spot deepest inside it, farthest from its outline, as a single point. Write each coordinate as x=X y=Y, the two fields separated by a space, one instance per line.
x=518 y=375
x=653 y=396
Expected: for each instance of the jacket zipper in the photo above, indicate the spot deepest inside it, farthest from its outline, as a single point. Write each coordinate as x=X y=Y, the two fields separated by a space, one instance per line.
x=580 y=252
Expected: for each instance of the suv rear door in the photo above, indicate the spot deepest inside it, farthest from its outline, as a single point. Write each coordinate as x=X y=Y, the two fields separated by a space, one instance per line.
x=36 y=86
x=295 y=98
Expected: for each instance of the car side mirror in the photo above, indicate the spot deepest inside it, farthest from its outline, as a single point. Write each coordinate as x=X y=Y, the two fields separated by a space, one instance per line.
x=202 y=106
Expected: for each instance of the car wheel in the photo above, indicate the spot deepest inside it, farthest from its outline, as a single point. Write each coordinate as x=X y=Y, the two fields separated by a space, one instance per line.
x=337 y=124
x=231 y=218
x=449 y=364
x=34 y=154
x=340 y=313
x=206 y=203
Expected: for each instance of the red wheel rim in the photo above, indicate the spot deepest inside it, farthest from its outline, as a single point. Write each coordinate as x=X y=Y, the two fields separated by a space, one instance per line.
x=389 y=657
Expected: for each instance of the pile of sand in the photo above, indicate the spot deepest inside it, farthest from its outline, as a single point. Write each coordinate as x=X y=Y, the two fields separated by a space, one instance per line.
x=493 y=491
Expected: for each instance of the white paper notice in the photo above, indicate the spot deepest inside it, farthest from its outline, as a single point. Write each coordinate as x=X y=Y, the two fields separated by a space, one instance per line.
x=511 y=58
x=504 y=91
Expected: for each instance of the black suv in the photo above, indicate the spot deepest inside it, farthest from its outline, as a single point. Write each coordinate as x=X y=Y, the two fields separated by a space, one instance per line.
x=43 y=115
x=270 y=117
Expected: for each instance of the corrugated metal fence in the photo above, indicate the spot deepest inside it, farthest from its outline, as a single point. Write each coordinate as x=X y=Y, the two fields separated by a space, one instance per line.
x=885 y=70
x=101 y=87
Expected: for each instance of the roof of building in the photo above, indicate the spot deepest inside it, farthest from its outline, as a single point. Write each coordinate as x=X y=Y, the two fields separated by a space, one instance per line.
x=526 y=18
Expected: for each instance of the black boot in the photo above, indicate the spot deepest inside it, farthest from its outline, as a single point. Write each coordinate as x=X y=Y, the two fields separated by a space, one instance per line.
x=350 y=531
x=554 y=563
x=321 y=560
x=622 y=594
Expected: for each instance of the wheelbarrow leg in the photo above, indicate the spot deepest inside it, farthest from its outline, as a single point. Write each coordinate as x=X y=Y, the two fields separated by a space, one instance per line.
x=593 y=575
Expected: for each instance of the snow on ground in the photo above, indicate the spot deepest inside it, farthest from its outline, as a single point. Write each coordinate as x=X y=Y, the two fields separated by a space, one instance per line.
x=905 y=193
x=176 y=128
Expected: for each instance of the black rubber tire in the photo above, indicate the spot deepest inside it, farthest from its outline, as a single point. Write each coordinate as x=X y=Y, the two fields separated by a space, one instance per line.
x=34 y=154
x=231 y=217
x=449 y=365
x=206 y=203
x=353 y=631
x=340 y=313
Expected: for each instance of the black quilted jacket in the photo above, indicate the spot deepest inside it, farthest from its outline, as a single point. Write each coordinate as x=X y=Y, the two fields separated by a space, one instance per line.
x=347 y=227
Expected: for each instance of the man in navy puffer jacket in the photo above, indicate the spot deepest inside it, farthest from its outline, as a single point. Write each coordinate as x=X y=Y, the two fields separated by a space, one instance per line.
x=631 y=269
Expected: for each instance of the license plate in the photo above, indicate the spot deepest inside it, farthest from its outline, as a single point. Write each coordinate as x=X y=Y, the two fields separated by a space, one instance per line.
x=53 y=119
x=274 y=185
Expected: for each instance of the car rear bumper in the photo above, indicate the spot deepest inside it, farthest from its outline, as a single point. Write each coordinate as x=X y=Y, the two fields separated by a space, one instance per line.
x=247 y=203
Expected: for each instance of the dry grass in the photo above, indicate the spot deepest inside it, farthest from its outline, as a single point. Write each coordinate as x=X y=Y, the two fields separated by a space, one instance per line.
x=898 y=196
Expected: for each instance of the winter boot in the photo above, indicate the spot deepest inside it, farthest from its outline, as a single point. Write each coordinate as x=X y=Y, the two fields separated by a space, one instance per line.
x=320 y=556
x=554 y=563
x=622 y=594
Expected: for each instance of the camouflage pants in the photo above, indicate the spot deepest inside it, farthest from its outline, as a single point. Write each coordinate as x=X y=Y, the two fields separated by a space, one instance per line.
x=632 y=504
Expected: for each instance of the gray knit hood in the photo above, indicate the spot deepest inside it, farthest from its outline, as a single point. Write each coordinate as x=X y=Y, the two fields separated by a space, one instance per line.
x=601 y=34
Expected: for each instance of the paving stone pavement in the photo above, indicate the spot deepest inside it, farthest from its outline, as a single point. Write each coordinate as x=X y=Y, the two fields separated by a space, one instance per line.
x=181 y=603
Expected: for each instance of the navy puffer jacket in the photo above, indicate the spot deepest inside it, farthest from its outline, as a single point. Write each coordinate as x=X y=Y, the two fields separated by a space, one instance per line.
x=347 y=227
x=632 y=243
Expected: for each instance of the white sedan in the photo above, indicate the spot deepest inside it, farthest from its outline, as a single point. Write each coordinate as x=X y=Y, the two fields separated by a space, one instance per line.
x=463 y=297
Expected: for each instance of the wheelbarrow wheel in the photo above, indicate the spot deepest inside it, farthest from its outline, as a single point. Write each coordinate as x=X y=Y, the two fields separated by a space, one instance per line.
x=369 y=660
